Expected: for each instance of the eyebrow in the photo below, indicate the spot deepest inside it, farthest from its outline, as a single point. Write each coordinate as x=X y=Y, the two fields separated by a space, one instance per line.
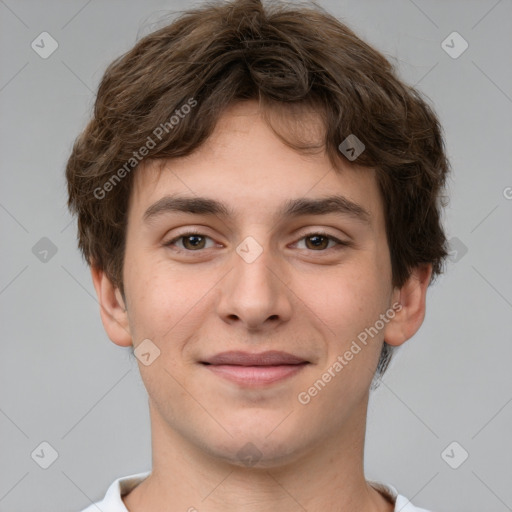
x=291 y=208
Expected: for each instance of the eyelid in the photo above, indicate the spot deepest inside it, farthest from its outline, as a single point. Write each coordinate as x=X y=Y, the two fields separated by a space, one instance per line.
x=184 y=234
x=321 y=232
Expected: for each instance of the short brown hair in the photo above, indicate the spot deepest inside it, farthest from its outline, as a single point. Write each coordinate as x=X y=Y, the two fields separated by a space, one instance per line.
x=286 y=56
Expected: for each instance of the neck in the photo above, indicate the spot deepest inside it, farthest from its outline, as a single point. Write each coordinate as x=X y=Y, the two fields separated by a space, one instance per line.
x=326 y=476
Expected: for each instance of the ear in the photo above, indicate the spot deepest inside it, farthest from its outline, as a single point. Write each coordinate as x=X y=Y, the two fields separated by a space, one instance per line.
x=112 y=309
x=412 y=297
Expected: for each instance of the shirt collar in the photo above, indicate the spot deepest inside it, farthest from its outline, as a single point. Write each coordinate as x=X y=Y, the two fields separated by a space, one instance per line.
x=125 y=485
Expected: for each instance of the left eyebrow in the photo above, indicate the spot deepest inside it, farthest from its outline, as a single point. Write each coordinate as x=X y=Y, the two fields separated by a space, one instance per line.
x=323 y=206
x=292 y=208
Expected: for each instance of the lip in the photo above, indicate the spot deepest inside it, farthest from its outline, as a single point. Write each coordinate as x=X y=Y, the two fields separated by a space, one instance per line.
x=251 y=369
x=268 y=358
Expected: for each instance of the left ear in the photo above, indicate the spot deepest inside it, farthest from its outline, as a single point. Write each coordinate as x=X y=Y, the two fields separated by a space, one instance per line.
x=412 y=297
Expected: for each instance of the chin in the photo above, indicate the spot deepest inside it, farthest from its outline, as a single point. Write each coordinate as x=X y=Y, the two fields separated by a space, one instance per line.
x=259 y=447
x=254 y=457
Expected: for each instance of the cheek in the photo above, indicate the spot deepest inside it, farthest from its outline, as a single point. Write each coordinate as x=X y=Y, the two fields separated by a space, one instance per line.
x=346 y=301
x=153 y=300
x=165 y=301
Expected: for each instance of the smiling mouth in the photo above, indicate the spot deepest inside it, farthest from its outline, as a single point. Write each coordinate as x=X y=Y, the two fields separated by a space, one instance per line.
x=255 y=370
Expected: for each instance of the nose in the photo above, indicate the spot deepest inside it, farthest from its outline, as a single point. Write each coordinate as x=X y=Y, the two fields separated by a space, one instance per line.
x=254 y=293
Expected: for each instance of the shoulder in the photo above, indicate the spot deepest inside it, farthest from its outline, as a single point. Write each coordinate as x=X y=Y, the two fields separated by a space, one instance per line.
x=402 y=504
x=112 y=502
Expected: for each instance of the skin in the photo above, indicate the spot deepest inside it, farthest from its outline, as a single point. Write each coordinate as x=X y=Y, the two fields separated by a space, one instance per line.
x=295 y=297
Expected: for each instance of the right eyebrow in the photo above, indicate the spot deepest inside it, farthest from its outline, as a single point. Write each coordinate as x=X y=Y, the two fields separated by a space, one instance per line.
x=197 y=205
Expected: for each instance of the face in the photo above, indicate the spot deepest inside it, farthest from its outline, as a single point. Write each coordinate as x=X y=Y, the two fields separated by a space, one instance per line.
x=267 y=273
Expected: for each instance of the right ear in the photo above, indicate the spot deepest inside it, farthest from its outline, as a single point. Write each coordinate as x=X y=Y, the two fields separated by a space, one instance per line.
x=113 y=312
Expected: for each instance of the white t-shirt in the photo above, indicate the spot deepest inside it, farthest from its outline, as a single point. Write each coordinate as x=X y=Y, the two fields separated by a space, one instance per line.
x=112 y=501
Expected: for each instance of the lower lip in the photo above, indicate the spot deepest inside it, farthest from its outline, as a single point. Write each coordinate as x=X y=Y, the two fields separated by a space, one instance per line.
x=255 y=375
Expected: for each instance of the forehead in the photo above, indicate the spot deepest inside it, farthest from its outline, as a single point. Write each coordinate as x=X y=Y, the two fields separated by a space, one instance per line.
x=246 y=166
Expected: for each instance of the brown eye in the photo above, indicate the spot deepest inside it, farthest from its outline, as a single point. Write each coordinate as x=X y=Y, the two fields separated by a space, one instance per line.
x=317 y=241
x=189 y=242
x=193 y=242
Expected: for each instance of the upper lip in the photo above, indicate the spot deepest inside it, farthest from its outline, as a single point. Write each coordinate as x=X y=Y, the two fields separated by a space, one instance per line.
x=269 y=358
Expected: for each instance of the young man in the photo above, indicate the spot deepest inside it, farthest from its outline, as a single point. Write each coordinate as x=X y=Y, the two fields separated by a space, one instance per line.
x=258 y=197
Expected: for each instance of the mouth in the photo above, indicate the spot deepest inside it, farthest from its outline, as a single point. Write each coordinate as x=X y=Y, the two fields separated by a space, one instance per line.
x=255 y=370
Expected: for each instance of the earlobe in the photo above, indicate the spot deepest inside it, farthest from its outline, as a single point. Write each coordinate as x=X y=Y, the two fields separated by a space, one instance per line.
x=112 y=309
x=410 y=315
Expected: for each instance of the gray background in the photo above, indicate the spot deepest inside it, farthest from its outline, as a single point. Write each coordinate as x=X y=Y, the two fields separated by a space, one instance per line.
x=64 y=382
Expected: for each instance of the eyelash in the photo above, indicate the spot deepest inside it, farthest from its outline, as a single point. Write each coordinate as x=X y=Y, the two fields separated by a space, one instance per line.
x=340 y=243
